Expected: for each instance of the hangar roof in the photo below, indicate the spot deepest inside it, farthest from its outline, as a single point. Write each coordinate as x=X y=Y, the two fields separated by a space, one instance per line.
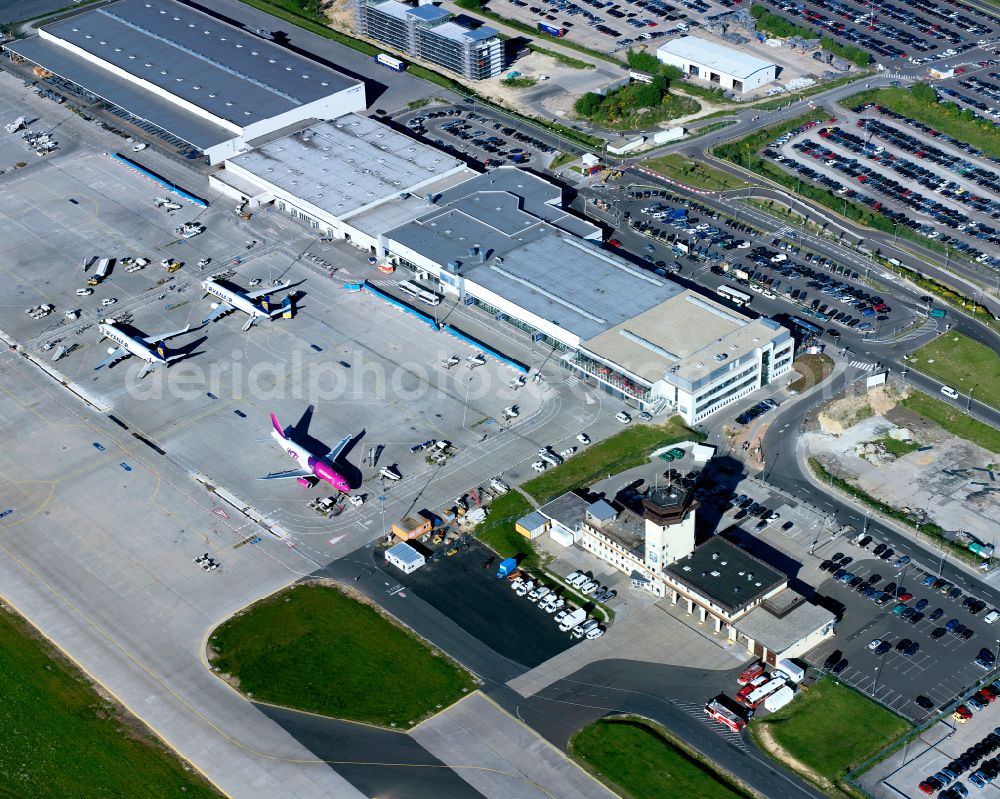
x=226 y=71
x=718 y=57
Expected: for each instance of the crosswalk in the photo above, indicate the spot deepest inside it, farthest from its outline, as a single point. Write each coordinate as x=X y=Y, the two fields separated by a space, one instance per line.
x=864 y=366
x=697 y=710
x=570 y=381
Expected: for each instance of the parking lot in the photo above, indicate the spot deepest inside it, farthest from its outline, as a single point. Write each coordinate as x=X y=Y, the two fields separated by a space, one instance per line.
x=962 y=747
x=917 y=30
x=771 y=276
x=929 y=646
x=466 y=591
x=480 y=137
x=611 y=26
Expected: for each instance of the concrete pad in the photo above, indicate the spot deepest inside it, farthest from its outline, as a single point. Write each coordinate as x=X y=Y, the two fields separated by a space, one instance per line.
x=503 y=758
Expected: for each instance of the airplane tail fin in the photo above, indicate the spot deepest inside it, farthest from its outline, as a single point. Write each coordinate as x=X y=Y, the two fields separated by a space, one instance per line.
x=288 y=306
x=277 y=426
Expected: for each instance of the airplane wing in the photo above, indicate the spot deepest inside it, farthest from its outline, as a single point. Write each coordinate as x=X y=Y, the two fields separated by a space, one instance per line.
x=120 y=352
x=334 y=453
x=224 y=307
x=252 y=295
x=165 y=336
x=288 y=475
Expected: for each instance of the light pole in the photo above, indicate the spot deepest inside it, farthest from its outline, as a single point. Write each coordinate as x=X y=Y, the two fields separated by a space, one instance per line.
x=968 y=405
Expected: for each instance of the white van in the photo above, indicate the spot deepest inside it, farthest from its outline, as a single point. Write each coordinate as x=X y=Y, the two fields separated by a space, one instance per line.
x=948 y=391
x=992 y=616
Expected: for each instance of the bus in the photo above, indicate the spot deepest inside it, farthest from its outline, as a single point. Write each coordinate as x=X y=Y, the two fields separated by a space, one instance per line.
x=737 y=298
x=758 y=695
x=411 y=289
x=551 y=30
x=807 y=327
x=753 y=685
x=386 y=60
x=724 y=715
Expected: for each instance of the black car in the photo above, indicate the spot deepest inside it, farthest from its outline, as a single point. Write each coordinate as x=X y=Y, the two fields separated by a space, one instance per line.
x=845 y=561
x=787 y=526
x=833 y=659
x=865 y=541
x=873 y=578
x=939 y=632
x=912 y=649
x=916 y=617
x=882 y=648
x=966 y=634
x=826 y=565
x=924 y=702
x=840 y=666
x=879 y=549
x=887 y=554
x=838 y=556
x=937 y=614
x=903 y=644
x=890 y=588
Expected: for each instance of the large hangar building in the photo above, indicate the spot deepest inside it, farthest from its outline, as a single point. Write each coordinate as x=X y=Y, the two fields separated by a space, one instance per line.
x=184 y=75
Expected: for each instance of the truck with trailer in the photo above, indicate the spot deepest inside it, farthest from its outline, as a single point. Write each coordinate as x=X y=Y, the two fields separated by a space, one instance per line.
x=779 y=699
x=552 y=30
x=393 y=63
x=103 y=267
x=792 y=672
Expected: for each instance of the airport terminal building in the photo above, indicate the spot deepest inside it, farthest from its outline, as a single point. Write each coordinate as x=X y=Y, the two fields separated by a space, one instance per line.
x=504 y=243
x=185 y=76
x=717 y=64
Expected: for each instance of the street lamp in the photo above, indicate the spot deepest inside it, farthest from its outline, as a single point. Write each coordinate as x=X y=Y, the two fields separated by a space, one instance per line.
x=968 y=405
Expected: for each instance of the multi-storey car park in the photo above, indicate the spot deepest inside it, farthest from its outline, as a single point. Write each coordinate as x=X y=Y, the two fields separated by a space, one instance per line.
x=186 y=74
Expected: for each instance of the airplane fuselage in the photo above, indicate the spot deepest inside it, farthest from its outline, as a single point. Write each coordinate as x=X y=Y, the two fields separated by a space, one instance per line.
x=320 y=469
x=233 y=298
x=133 y=345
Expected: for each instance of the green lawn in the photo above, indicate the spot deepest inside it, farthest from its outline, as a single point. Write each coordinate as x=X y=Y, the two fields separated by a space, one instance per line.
x=899 y=448
x=954 y=420
x=638 y=762
x=814 y=369
x=963 y=364
x=60 y=739
x=831 y=728
x=625 y=450
x=694 y=173
x=498 y=532
x=314 y=648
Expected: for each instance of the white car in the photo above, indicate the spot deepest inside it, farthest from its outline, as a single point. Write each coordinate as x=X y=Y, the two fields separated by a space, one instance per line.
x=587 y=587
x=539 y=466
x=875 y=644
x=592 y=591
x=84 y=292
x=572 y=578
x=109 y=301
x=582 y=629
x=516 y=583
x=204 y=262
x=645 y=417
x=558 y=604
x=594 y=632
x=567 y=452
x=357 y=500
x=623 y=417
x=583 y=438
x=743 y=245
x=523 y=588
x=539 y=593
x=561 y=615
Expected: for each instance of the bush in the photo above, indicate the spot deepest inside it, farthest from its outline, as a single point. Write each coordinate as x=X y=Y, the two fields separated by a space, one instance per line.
x=644 y=62
x=588 y=104
x=848 y=52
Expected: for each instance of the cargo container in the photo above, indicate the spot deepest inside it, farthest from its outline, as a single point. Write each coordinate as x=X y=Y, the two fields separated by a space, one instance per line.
x=393 y=63
x=779 y=699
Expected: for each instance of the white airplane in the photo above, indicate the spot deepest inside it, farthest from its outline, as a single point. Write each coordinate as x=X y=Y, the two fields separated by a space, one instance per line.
x=151 y=349
x=244 y=301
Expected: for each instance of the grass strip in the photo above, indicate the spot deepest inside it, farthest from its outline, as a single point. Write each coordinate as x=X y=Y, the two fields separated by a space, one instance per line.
x=314 y=648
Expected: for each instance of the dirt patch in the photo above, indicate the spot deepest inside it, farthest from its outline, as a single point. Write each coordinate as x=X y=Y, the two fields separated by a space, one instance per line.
x=766 y=740
x=844 y=413
x=812 y=370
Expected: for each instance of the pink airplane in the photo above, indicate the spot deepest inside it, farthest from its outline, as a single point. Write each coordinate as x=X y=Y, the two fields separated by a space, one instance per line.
x=315 y=468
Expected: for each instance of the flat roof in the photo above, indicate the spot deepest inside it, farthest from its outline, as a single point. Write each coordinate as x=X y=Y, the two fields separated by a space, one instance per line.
x=725 y=574
x=347 y=164
x=169 y=116
x=511 y=239
x=533 y=520
x=687 y=337
x=717 y=56
x=405 y=553
x=228 y=72
x=454 y=31
x=779 y=633
x=568 y=509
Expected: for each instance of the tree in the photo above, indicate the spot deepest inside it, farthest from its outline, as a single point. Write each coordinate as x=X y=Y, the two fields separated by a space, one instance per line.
x=924 y=93
x=646 y=95
x=588 y=104
x=672 y=73
x=643 y=62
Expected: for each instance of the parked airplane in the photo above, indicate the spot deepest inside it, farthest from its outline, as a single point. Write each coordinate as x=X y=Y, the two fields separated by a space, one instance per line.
x=244 y=301
x=151 y=349
x=315 y=468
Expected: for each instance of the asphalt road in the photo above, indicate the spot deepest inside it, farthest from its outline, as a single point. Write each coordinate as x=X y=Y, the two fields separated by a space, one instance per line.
x=377 y=762
x=674 y=697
